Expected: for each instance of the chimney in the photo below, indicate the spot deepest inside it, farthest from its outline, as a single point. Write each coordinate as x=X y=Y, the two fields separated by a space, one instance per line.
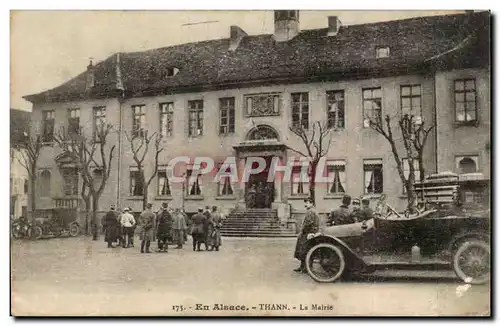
x=333 y=25
x=90 y=76
x=286 y=25
x=236 y=34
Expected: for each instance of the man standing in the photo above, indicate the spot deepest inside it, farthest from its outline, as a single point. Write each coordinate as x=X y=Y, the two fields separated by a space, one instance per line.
x=197 y=231
x=111 y=226
x=147 y=223
x=309 y=225
x=366 y=211
x=208 y=221
x=214 y=238
x=179 y=228
x=164 y=228
x=341 y=215
x=128 y=222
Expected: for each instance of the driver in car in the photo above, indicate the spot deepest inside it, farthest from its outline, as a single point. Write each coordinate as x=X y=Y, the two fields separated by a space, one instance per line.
x=366 y=212
x=341 y=215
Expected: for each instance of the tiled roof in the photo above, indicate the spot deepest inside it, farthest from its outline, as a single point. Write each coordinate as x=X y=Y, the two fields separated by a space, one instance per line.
x=260 y=59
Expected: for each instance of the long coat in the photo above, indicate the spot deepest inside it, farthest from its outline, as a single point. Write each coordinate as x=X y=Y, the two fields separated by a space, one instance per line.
x=309 y=225
x=198 y=224
x=111 y=227
x=214 y=237
x=147 y=222
x=165 y=221
x=178 y=228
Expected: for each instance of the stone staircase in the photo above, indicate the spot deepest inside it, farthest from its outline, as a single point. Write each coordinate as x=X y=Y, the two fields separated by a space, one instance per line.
x=254 y=222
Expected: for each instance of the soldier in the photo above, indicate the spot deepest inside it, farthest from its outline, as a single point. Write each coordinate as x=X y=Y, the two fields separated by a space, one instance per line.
x=214 y=238
x=309 y=225
x=356 y=210
x=341 y=215
x=366 y=211
x=164 y=228
x=197 y=232
x=111 y=227
x=147 y=223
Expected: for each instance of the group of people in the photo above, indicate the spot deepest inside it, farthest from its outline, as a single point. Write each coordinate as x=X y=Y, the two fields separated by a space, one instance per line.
x=340 y=216
x=259 y=195
x=360 y=211
x=165 y=226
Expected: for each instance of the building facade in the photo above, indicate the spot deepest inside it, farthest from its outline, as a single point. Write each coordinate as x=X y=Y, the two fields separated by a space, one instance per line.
x=238 y=97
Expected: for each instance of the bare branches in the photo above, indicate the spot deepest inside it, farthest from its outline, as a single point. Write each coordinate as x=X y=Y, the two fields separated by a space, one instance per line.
x=313 y=140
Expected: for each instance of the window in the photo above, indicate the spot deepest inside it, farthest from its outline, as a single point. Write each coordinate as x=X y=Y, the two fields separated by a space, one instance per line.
x=26 y=186
x=45 y=177
x=406 y=171
x=373 y=176
x=194 y=184
x=99 y=121
x=167 y=119
x=300 y=110
x=467 y=164
x=163 y=183
x=74 y=121
x=286 y=14
x=300 y=179
x=139 y=121
x=70 y=181
x=224 y=185
x=48 y=126
x=372 y=104
x=262 y=132
x=336 y=177
x=259 y=105
x=383 y=52
x=136 y=183
x=465 y=100
x=335 y=109
x=226 y=110
x=195 y=118
x=411 y=103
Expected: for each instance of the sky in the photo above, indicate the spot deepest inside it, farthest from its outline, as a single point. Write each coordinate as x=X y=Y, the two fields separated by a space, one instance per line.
x=50 y=47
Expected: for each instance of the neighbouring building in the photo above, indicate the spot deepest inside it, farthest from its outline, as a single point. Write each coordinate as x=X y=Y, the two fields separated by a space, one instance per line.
x=238 y=96
x=19 y=177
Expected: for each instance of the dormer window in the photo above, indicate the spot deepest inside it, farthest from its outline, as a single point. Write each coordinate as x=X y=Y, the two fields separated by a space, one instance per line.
x=286 y=14
x=171 y=72
x=383 y=52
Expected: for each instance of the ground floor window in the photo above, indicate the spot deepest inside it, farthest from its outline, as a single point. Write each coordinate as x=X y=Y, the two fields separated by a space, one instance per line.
x=163 y=183
x=136 y=183
x=194 y=183
x=374 y=181
x=299 y=182
x=224 y=185
x=467 y=164
x=336 y=177
x=406 y=170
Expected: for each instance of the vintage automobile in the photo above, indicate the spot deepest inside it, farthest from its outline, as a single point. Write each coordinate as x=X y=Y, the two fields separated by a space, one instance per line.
x=58 y=223
x=449 y=230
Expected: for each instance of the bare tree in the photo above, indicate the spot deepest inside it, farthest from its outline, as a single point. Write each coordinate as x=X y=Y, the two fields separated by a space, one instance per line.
x=317 y=142
x=140 y=145
x=90 y=154
x=29 y=149
x=414 y=137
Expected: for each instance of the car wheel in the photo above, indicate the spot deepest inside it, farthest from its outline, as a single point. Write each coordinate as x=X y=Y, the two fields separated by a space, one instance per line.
x=325 y=263
x=36 y=232
x=471 y=261
x=74 y=230
x=16 y=231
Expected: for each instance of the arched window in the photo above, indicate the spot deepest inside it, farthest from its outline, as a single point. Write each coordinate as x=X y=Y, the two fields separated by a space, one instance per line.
x=467 y=165
x=262 y=132
x=45 y=183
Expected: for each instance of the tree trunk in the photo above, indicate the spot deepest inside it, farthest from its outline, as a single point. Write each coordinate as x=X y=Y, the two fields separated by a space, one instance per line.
x=312 y=182
x=33 y=194
x=144 y=191
x=86 y=200
x=95 y=222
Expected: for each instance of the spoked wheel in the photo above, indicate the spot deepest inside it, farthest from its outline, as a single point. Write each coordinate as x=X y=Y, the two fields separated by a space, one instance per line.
x=325 y=263
x=471 y=262
x=35 y=232
x=74 y=230
x=16 y=231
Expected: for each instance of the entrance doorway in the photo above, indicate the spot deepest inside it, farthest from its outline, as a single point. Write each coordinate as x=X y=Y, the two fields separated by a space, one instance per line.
x=259 y=193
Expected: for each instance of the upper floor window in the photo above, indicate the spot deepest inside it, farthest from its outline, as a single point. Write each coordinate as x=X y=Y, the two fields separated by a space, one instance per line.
x=227 y=115
x=70 y=180
x=163 y=182
x=336 y=177
x=139 y=121
x=48 y=126
x=74 y=121
x=467 y=164
x=335 y=109
x=167 y=119
x=411 y=100
x=372 y=104
x=383 y=52
x=286 y=14
x=373 y=173
x=300 y=110
x=266 y=104
x=99 y=121
x=45 y=183
x=195 y=118
x=465 y=100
